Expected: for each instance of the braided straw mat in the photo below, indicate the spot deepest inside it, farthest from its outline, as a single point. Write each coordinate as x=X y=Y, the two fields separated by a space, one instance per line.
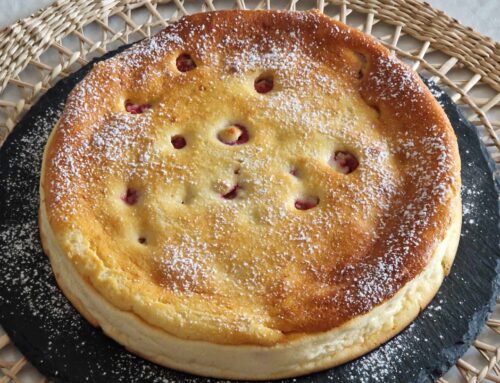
x=38 y=51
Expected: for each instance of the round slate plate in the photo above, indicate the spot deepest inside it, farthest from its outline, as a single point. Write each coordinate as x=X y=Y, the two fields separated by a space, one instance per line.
x=63 y=346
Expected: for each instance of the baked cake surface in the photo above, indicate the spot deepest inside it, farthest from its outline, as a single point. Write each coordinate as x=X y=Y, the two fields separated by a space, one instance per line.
x=251 y=188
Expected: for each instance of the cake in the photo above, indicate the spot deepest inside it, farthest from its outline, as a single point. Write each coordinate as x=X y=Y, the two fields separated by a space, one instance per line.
x=251 y=195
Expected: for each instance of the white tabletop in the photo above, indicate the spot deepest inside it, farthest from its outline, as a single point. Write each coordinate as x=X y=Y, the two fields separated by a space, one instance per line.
x=482 y=15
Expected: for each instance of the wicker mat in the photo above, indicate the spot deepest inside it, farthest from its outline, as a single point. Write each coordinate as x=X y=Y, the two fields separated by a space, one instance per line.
x=38 y=51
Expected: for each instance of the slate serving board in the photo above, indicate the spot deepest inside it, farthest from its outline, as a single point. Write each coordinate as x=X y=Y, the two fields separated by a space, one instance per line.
x=63 y=346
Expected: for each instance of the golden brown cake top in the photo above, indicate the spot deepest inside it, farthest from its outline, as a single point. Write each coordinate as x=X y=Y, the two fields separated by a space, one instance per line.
x=250 y=176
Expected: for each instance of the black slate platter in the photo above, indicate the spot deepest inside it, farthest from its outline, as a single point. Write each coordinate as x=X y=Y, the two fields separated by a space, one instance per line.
x=63 y=346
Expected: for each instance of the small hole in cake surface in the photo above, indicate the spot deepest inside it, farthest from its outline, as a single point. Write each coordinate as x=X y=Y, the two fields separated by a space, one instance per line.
x=131 y=196
x=178 y=141
x=344 y=162
x=142 y=240
x=264 y=84
x=363 y=63
x=234 y=135
x=185 y=63
x=134 y=108
x=294 y=172
x=233 y=193
x=306 y=203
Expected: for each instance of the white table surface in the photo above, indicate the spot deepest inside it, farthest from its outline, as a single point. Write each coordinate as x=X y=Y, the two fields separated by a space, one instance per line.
x=482 y=15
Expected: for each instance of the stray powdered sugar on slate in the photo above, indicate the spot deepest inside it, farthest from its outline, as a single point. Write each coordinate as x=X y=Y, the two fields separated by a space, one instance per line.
x=28 y=268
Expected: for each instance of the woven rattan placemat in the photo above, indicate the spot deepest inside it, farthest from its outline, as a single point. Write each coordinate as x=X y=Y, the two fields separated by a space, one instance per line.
x=36 y=52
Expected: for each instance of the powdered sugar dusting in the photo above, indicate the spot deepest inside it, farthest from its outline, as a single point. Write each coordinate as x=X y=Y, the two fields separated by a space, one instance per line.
x=391 y=200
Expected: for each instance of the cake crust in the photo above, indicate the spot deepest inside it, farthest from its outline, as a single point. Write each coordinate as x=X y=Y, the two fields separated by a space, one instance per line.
x=251 y=179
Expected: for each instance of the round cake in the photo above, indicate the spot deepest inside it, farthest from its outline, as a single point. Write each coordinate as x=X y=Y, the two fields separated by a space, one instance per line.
x=251 y=195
